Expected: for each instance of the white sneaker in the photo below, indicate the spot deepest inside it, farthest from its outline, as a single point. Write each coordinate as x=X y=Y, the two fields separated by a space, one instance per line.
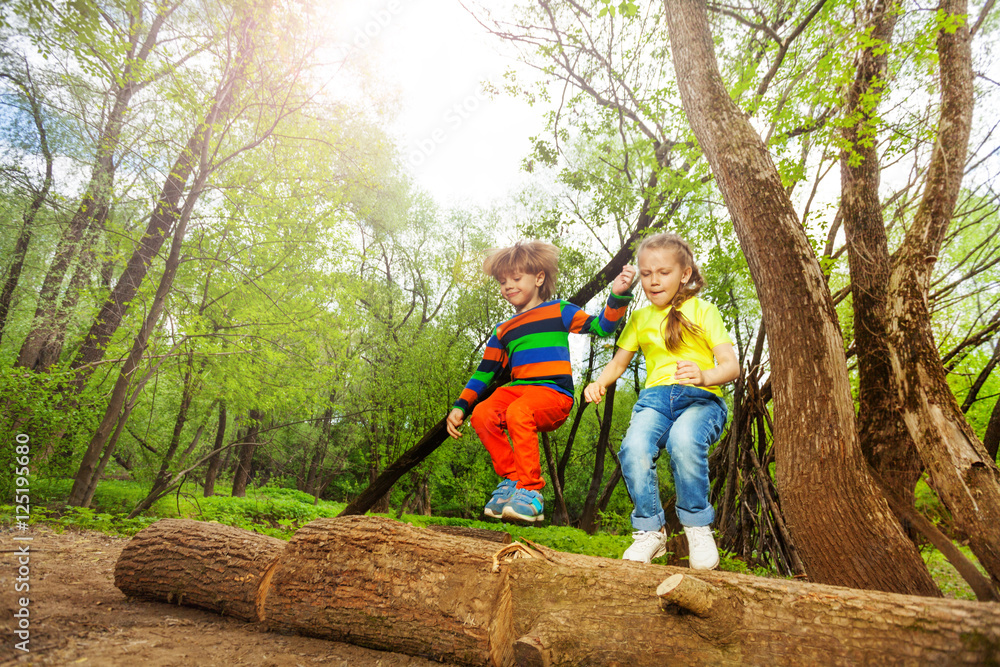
x=701 y=546
x=647 y=545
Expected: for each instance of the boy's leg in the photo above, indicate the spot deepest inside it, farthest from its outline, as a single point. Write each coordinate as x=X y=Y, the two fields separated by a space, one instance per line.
x=537 y=409
x=489 y=419
x=640 y=449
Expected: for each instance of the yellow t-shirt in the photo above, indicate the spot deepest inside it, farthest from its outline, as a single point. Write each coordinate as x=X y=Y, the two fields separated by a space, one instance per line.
x=646 y=327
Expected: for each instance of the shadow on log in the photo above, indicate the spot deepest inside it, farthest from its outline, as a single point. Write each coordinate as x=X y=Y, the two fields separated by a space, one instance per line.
x=383 y=584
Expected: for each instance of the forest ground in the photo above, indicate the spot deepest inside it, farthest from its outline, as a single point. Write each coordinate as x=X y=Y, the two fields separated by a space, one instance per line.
x=78 y=617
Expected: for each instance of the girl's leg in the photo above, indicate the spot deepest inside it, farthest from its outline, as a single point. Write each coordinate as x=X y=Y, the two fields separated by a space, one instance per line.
x=537 y=409
x=640 y=449
x=489 y=419
x=699 y=419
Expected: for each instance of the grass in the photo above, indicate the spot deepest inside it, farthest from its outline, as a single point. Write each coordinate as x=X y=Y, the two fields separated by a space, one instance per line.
x=948 y=579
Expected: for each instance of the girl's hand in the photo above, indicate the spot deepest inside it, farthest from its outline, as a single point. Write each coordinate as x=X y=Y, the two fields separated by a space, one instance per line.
x=688 y=372
x=455 y=419
x=623 y=283
x=594 y=392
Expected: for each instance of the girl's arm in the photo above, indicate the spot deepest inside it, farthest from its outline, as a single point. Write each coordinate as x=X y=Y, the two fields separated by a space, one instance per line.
x=727 y=369
x=594 y=391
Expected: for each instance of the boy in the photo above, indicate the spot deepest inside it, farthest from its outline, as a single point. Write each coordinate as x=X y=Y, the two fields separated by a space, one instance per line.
x=534 y=343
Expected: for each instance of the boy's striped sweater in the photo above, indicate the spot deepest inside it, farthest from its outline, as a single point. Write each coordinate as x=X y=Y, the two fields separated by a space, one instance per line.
x=535 y=344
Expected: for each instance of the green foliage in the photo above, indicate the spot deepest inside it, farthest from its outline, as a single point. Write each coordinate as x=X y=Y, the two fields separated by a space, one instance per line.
x=80 y=518
x=945 y=575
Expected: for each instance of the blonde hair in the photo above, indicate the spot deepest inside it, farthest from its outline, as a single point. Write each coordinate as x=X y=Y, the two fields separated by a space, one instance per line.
x=525 y=257
x=675 y=324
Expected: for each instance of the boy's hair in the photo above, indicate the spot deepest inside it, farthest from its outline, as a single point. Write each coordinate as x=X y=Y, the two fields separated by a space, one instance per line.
x=525 y=257
x=675 y=324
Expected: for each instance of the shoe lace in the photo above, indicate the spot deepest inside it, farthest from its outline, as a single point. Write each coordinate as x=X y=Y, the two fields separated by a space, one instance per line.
x=699 y=538
x=643 y=536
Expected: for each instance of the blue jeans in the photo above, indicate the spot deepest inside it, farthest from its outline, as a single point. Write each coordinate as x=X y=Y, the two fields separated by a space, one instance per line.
x=685 y=421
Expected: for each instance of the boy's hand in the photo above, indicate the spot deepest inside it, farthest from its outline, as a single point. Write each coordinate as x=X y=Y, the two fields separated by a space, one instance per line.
x=594 y=392
x=688 y=372
x=455 y=419
x=623 y=283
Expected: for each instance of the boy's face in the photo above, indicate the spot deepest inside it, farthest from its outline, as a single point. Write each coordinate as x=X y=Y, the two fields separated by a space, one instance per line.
x=521 y=289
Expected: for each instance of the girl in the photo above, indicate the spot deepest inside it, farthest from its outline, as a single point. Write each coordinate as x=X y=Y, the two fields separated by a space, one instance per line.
x=681 y=408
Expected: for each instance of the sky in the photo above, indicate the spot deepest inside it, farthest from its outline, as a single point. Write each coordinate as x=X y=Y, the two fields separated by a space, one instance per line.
x=462 y=145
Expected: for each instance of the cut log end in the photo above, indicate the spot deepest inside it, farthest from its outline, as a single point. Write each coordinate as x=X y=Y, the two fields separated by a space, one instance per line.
x=688 y=593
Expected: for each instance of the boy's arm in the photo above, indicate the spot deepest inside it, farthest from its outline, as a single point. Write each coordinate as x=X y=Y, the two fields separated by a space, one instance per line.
x=578 y=321
x=605 y=324
x=494 y=360
x=594 y=391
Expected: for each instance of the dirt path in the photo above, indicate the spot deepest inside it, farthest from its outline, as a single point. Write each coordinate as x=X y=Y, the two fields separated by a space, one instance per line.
x=78 y=617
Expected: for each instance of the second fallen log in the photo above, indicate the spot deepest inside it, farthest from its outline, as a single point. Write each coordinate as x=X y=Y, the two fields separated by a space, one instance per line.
x=387 y=585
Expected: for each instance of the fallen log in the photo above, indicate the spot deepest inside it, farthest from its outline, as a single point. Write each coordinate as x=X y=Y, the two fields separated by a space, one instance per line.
x=384 y=584
x=198 y=564
x=387 y=585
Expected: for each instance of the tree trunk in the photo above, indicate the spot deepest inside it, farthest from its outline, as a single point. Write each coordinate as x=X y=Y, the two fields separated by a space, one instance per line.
x=991 y=439
x=984 y=375
x=163 y=476
x=885 y=441
x=577 y=418
x=560 y=516
x=86 y=478
x=215 y=461
x=470 y=601
x=24 y=238
x=52 y=346
x=165 y=214
x=588 y=518
x=964 y=475
x=855 y=540
x=94 y=204
x=246 y=451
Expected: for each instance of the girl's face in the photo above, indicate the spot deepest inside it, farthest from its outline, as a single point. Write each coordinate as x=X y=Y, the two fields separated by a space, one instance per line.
x=661 y=275
x=521 y=289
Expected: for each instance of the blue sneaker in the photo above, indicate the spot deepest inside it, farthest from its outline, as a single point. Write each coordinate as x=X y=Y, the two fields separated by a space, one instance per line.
x=501 y=496
x=525 y=506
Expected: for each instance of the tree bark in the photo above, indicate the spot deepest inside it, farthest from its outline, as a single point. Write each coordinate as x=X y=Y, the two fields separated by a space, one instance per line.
x=442 y=609
x=855 y=540
x=196 y=564
x=885 y=441
x=964 y=475
x=246 y=451
x=469 y=601
x=215 y=461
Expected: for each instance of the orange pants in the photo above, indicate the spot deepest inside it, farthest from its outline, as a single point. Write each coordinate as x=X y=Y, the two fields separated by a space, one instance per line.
x=523 y=411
